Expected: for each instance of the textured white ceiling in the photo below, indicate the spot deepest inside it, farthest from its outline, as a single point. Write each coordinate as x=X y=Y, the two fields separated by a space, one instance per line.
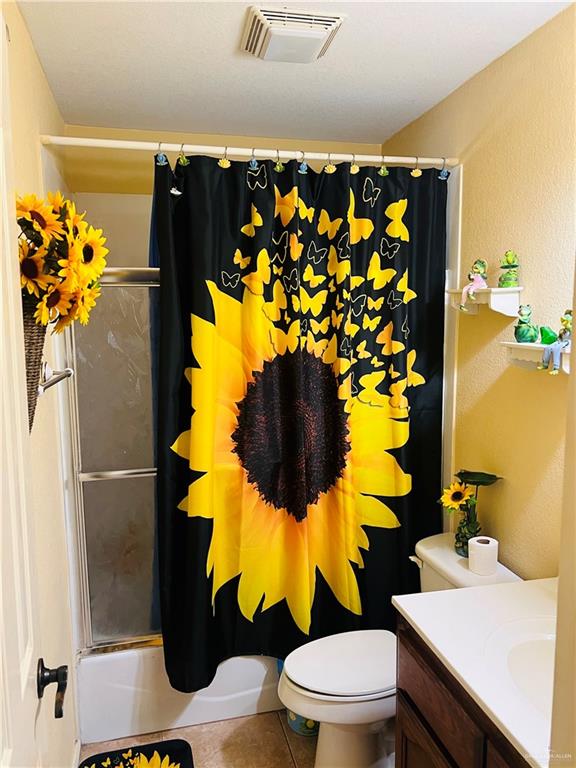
x=176 y=66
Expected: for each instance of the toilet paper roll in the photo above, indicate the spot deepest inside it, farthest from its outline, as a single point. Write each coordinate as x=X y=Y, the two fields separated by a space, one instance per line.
x=483 y=555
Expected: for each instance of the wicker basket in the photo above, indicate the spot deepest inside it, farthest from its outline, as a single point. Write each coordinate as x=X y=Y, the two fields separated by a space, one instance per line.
x=34 y=336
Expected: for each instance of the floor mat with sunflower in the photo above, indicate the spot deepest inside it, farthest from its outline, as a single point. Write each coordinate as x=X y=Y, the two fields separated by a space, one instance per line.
x=160 y=754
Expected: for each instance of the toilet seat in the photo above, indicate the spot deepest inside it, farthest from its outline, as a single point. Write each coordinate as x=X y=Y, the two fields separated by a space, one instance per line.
x=350 y=666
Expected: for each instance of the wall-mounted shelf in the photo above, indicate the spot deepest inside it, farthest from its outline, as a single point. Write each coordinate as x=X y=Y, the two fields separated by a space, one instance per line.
x=532 y=353
x=503 y=300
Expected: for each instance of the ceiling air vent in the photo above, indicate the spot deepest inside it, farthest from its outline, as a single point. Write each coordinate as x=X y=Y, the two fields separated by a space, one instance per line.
x=285 y=35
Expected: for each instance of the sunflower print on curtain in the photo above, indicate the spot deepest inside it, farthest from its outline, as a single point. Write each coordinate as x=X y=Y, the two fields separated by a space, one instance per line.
x=300 y=379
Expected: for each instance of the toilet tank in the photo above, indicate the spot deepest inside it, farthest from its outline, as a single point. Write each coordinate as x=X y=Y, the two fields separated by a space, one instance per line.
x=442 y=568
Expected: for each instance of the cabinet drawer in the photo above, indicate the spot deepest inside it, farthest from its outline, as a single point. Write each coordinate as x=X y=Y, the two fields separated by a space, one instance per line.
x=448 y=720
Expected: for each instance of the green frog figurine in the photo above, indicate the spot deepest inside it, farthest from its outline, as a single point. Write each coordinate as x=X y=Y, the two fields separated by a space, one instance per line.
x=509 y=277
x=525 y=332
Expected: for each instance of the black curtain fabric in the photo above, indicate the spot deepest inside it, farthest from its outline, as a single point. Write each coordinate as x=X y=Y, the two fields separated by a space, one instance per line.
x=299 y=402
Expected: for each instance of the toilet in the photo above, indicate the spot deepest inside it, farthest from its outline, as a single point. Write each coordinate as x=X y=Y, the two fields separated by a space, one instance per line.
x=347 y=682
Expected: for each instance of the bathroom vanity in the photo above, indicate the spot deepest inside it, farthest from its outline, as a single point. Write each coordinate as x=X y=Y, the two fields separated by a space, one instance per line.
x=475 y=676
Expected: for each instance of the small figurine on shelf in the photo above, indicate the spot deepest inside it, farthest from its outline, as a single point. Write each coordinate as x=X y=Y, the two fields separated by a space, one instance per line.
x=509 y=277
x=525 y=332
x=477 y=277
x=562 y=344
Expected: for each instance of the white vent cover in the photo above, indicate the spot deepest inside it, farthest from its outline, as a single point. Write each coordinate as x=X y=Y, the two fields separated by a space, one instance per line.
x=285 y=35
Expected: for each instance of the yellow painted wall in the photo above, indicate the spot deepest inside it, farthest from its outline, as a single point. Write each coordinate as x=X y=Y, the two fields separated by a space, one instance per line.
x=33 y=111
x=132 y=171
x=513 y=127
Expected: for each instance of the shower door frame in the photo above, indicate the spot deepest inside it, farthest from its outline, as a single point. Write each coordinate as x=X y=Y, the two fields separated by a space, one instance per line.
x=133 y=277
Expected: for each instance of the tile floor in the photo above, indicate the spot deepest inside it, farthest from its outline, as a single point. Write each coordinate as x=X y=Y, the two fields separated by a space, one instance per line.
x=258 y=741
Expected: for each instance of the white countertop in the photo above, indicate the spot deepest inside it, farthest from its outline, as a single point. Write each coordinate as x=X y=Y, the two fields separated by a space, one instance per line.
x=473 y=630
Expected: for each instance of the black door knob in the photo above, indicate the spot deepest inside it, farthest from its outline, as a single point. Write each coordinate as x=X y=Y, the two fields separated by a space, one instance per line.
x=46 y=676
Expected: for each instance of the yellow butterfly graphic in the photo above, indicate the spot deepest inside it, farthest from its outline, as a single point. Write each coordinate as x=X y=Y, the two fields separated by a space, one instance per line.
x=304 y=211
x=389 y=346
x=370 y=322
x=361 y=351
x=380 y=276
x=340 y=269
x=242 y=261
x=375 y=303
x=393 y=374
x=376 y=363
x=126 y=755
x=350 y=328
x=413 y=377
x=321 y=327
x=295 y=247
x=285 y=341
x=336 y=318
x=312 y=278
x=355 y=281
x=314 y=303
x=402 y=286
x=107 y=762
x=360 y=229
x=398 y=399
x=339 y=304
x=255 y=281
x=369 y=394
x=255 y=221
x=397 y=228
x=317 y=346
x=277 y=269
x=285 y=206
x=346 y=293
x=328 y=226
x=279 y=302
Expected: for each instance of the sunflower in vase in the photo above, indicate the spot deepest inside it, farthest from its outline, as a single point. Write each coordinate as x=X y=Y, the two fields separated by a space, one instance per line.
x=61 y=260
x=462 y=496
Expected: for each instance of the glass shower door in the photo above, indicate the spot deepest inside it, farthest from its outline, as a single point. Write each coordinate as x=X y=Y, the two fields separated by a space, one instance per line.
x=113 y=460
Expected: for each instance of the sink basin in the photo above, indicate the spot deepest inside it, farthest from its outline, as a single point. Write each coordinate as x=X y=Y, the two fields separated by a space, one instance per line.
x=522 y=652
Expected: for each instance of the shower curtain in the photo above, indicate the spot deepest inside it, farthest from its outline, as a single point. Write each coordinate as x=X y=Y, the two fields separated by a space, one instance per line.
x=299 y=401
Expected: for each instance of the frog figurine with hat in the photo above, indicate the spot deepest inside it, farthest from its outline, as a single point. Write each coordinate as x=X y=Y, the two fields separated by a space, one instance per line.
x=509 y=277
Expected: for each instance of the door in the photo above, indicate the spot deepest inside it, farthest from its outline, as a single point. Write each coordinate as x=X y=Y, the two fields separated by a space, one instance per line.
x=30 y=736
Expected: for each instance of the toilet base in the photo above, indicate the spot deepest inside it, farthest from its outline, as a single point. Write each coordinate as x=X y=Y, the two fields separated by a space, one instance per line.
x=344 y=746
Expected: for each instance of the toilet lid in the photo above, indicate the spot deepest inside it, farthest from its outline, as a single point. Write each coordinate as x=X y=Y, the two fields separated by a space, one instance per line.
x=348 y=664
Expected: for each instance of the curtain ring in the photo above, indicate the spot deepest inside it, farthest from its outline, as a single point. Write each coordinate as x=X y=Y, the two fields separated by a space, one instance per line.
x=182 y=159
x=416 y=172
x=278 y=167
x=224 y=162
x=253 y=164
x=443 y=175
x=382 y=171
x=303 y=167
x=353 y=167
x=161 y=158
x=329 y=167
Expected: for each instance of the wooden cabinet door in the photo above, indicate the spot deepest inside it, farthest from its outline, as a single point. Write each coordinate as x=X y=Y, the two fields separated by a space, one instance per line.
x=416 y=747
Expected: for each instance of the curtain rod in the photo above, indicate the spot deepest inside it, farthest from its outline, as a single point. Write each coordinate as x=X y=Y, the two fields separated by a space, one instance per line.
x=240 y=152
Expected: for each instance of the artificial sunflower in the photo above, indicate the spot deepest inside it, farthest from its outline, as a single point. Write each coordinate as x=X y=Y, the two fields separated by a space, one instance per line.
x=91 y=254
x=43 y=218
x=75 y=224
x=456 y=495
x=84 y=301
x=56 y=200
x=32 y=274
x=141 y=761
x=286 y=499
x=55 y=303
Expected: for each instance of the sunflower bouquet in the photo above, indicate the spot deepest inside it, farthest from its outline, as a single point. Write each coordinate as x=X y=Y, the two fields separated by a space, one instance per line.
x=461 y=497
x=61 y=260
